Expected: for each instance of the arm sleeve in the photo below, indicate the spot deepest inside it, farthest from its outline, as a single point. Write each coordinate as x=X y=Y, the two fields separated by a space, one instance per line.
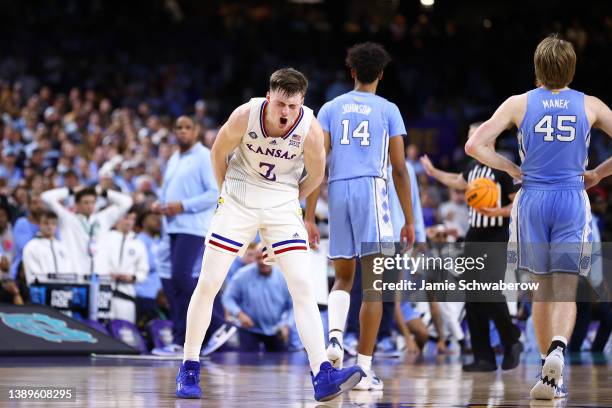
x=396 y=123
x=323 y=117
x=31 y=263
x=53 y=198
x=120 y=204
x=232 y=295
x=210 y=196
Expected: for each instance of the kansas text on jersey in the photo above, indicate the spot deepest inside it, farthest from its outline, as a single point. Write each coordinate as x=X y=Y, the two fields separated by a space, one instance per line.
x=266 y=171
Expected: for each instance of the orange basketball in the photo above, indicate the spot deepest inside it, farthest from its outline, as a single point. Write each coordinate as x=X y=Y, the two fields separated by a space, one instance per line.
x=482 y=193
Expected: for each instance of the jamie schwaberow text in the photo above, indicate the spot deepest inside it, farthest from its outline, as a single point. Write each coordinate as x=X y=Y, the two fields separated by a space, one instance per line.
x=468 y=285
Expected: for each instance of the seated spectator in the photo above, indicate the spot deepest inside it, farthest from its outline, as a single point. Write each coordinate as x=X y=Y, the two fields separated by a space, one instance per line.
x=411 y=327
x=240 y=262
x=124 y=257
x=257 y=296
x=44 y=254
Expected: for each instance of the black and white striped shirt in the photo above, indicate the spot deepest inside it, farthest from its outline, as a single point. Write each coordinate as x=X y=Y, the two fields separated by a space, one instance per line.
x=504 y=184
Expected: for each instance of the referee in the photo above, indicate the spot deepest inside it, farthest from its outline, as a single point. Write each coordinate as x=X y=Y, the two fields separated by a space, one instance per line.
x=486 y=225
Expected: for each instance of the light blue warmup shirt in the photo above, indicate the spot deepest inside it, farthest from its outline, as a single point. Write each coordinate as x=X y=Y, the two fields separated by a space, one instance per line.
x=265 y=299
x=189 y=179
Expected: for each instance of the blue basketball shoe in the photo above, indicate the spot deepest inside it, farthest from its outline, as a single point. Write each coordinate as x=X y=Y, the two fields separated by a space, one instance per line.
x=331 y=382
x=188 y=380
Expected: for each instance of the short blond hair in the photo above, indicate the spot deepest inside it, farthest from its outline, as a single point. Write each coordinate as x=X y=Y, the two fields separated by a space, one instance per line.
x=555 y=62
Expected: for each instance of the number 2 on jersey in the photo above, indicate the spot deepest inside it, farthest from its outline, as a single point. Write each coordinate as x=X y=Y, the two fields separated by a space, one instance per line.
x=270 y=167
x=545 y=126
x=361 y=131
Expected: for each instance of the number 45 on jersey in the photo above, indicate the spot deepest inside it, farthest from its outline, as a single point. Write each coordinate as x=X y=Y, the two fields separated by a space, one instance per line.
x=545 y=126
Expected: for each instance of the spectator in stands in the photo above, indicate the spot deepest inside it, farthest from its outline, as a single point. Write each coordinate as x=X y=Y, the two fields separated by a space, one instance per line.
x=412 y=157
x=411 y=327
x=25 y=229
x=45 y=254
x=454 y=212
x=124 y=257
x=8 y=169
x=80 y=230
x=241 y=261
x=146 y=291
x=6 y=233
x=188 y=199
x=258 y=298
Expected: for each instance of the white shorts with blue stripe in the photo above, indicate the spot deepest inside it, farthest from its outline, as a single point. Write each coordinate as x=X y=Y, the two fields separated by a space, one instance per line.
x=234 y=226
x=359 y=217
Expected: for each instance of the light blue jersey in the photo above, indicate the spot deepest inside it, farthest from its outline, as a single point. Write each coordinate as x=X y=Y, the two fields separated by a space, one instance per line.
x=550 y=224
x=360 y=125
x=554 y=138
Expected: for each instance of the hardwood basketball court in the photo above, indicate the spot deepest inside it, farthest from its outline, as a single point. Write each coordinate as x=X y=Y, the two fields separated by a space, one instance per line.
x=281 y=380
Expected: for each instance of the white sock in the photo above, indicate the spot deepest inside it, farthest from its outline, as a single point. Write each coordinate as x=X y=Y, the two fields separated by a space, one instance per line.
x=365 y=362
x=215 y=265
x=296 y=268
x=561 y=339
x=338 y=304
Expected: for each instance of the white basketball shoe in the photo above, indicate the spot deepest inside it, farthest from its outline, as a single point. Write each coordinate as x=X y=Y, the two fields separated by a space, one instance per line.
x=550 y=385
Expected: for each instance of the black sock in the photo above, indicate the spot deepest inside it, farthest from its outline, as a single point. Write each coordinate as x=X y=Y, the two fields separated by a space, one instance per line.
x=555 y=344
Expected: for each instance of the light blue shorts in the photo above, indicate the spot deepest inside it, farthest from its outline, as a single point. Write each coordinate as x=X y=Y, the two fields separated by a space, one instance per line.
x=358 y=213
x=550 y=230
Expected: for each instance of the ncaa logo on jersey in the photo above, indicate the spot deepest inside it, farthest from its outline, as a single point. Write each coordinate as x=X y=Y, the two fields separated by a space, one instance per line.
x=295 y=140
x=253 y=135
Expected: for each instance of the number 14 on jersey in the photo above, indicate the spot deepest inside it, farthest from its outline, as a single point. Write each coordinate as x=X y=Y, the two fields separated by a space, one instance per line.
x=361 y=132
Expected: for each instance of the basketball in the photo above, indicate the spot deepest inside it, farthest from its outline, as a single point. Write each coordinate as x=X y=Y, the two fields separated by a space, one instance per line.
x=482 y=193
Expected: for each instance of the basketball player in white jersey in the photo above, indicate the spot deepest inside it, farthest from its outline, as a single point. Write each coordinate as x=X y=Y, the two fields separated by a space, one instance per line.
x=274 y=141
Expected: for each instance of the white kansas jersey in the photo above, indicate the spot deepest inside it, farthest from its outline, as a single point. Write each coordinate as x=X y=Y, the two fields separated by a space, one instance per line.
x=266 y=171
